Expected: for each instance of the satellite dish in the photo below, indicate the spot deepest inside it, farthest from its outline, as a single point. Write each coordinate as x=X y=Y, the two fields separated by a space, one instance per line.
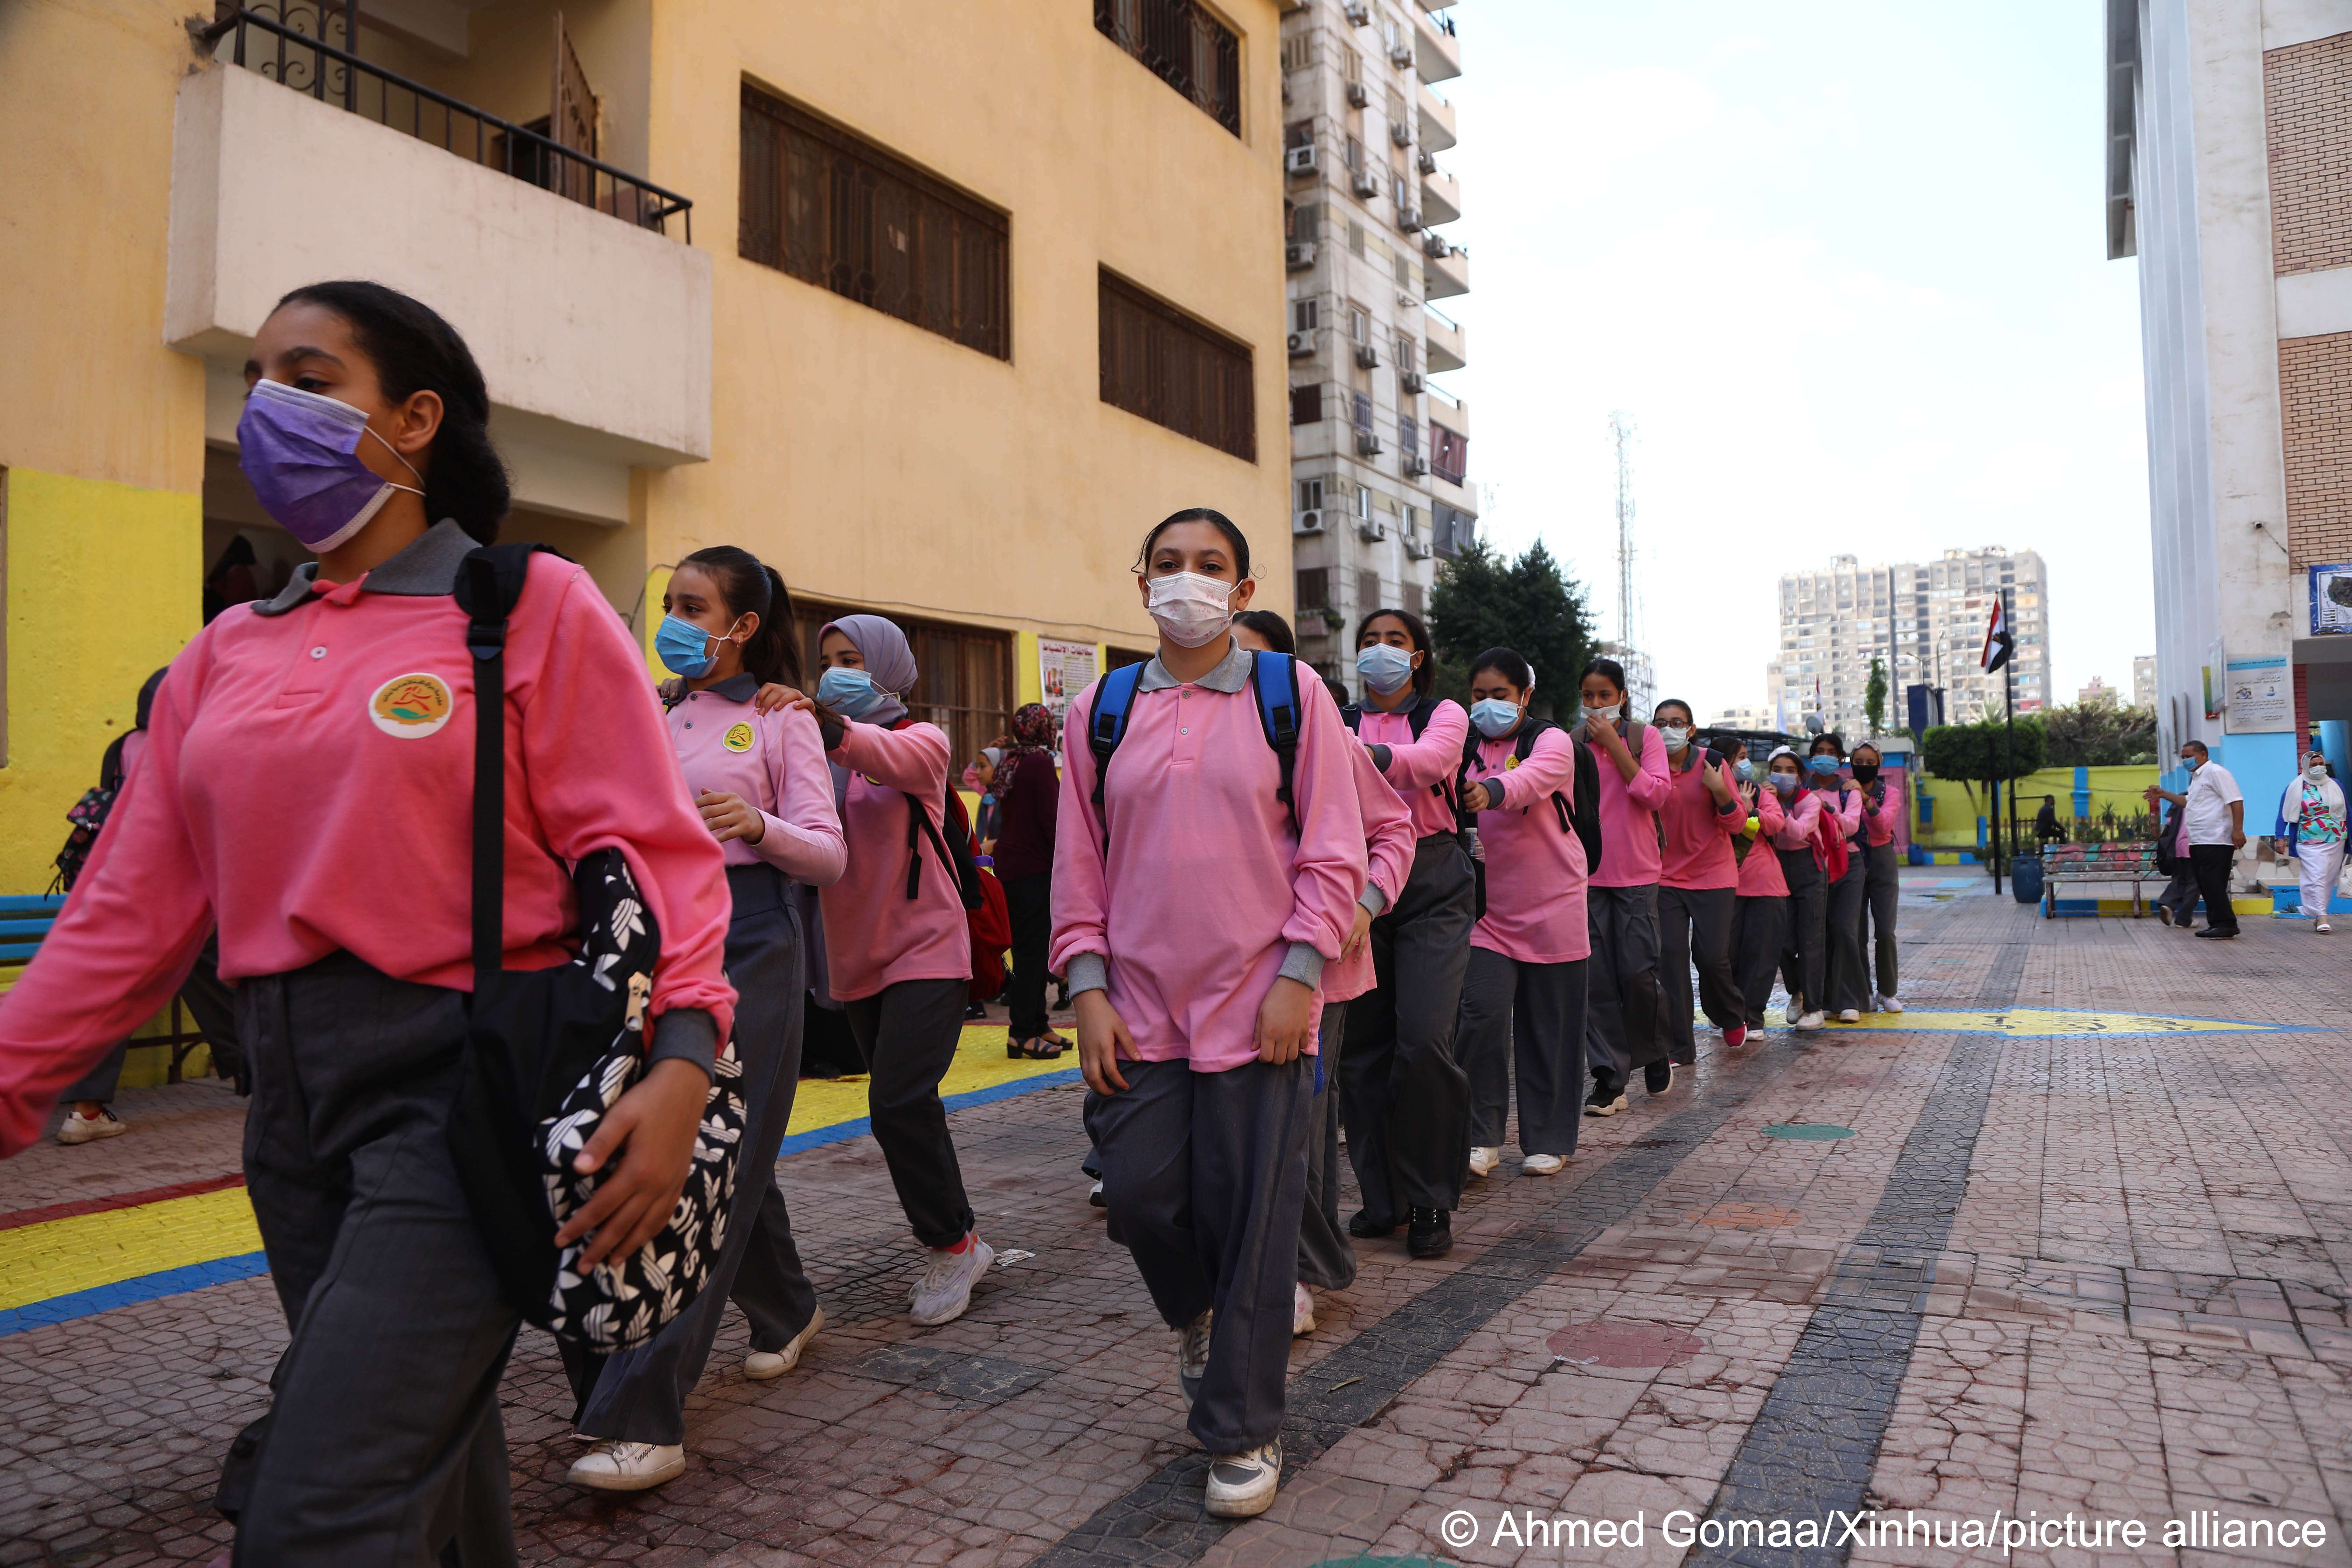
x=1812 y=723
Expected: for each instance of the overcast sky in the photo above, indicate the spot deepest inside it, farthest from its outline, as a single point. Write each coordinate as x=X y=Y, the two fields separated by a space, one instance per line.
x=1844 y=266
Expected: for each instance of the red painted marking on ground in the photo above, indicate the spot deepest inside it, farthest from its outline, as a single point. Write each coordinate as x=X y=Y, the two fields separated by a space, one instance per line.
x=119 y=1201
x=1607 y=1343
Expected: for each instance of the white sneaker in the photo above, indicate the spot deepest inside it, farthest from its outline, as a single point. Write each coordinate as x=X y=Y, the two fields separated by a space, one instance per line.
x=944 y=1291
x=1808 y=1021
x=1302 y=1311
x=80 y=1128
x=1849 y=1015
x=1483 y=1160
x=1242 y=1486
x=1193 y=1356
x=1890 y=1004
x=1596 y=1106
x=617 y=1466
x=2323 y=926
x=761 y=1365
x=1543 y=1165
x=1094 y=1197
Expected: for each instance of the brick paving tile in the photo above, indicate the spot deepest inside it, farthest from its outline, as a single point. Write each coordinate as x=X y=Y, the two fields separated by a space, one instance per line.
x=2095 y=1272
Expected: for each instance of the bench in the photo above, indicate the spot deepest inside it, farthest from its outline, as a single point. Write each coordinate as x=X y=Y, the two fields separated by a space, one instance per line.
x=25 y=919
x=2130 y=862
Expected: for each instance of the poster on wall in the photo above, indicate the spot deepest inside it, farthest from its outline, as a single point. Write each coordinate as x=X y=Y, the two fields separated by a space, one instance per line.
x=2260 y=696
x=1063 y=669
x=2331 y=600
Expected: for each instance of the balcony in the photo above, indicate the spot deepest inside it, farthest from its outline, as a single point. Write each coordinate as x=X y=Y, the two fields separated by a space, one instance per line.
x=1442 y=346
x=592 y=327
x=1437 y=53
x=1447 y=275
x=1436 y=117
x=1441 y=194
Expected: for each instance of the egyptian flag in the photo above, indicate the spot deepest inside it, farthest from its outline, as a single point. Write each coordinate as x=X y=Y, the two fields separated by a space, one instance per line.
x=1999 y=644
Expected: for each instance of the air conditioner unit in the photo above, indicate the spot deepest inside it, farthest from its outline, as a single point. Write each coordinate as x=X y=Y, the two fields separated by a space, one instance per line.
x=1358 y=95
x=1416 y=546
x=1435 y=245
x=1367 y=184
x=1301 y=255
x=1415 y=464
x=1426 y=161
x=1358 y=14
x=1409 y=220
x=1307 y=522
x=1301 y=160
x=1367 y=444
x=1371 y=533
x=1367 y=356
x=1401 y=133
x=1401 y=54
x=1410 y=382
x=1301 y=344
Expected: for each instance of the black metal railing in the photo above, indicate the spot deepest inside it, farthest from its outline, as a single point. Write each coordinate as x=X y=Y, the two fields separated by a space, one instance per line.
x=307 y=62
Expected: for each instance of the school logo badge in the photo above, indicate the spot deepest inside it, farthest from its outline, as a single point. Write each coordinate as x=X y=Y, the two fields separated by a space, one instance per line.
x=739 y=738
x=411 y=706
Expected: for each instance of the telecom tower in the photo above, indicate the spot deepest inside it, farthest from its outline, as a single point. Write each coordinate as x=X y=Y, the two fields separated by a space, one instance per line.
x=1640 y=682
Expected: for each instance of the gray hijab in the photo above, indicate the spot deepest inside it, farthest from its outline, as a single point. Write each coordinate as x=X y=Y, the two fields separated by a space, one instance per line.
x=888 y=659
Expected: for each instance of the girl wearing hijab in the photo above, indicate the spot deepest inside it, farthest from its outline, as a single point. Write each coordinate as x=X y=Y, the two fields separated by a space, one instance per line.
x=1848 y=980
x=761 y=783
x=1697 y=881
x=1804 y=959
x=1029 y=798
x=1405 y=1099
x=294 y=744
x=1195 y=911
x=897 y=943
x=1882 y=814
x=1626 y=1022
x=1523 y=1004
x=1759 y=912
x=2313 y=810
x=1326 y=1260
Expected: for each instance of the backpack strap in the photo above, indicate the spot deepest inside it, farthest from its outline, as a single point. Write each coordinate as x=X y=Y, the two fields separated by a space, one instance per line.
x=1353 y=716
x=1274 y=676
x=489 y=584
x=1106 y=725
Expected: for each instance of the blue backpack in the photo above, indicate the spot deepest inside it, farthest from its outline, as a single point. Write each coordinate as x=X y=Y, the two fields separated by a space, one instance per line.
x=1273 y=679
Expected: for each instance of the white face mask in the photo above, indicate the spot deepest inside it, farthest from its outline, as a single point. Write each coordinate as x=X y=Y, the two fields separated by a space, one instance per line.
x=2316 y=772
x=1191 y=608
x=1604 y=715
x=1675 y=737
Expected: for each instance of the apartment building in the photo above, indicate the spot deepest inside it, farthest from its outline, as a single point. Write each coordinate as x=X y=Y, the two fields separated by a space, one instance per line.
x=1380 y=453
x=2144 y=680
x=1926 y=622
x=2229 y=179
x=935 y=308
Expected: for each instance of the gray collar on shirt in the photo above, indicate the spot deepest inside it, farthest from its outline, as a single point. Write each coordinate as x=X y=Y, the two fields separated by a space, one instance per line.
x=737 y=688
x=426 y=569
x=1232 y=673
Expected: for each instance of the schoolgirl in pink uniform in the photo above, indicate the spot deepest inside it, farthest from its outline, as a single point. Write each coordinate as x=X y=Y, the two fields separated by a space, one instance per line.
x=1847 y=984
x=1804 y=952
x=1760 y=914
x=1404 y=1097
x=897 y=949
x=1326 y=1260
x=1624 y=1030
x=309 y=786
x=1882 y=821
x=761 y=783
x=1697 y=878
x=1523 y=1004
x=1193 y=912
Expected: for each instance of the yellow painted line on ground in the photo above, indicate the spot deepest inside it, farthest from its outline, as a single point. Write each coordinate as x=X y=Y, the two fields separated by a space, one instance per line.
x=980 y=1063
x=81 y=1252
x=2024 y=1023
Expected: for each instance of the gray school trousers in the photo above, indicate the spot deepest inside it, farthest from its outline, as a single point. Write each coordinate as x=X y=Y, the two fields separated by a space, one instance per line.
x=1758 y=930
x=1529 y=1017
x=1882 y=892
x=1406 y=1100
x=1205 y=1178
x=1849 y=978
x=639 y=1396
x=908 y=1035
x=1624 y=1016
x=384 y=1442
x=1327 y=1259
x=1695 y=930
x=1804 y=950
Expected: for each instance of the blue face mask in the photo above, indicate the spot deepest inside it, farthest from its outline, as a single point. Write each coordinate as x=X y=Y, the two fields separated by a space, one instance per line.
x=1746 y=771
x=1821 y=767
x=849 y=692
x=1384 y=669
x=2191 y=763
x=1494 y=717
x=686 y=649
x=1786 y=784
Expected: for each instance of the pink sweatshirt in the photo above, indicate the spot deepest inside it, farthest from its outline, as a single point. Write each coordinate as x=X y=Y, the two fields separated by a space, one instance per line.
x=875 y=936
x=1423 y=771
x=1883 y=820
x=1389 y=843
x=308 y=785
x=1206 y=892
x=1698 y=833
x=1760 y=875
x=1800 y=814
x=1629 y=813
x=1842 y=819
x=775 y=762
x=1535 y=872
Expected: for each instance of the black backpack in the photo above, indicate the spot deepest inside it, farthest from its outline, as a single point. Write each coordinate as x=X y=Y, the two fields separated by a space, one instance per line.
x=1580 y=816
x=1418 y=716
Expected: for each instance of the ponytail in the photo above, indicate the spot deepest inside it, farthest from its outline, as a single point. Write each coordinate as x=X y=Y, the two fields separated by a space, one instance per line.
x=749 y=586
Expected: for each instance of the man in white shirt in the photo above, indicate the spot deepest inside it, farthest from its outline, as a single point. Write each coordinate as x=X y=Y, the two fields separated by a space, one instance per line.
x=2213 y=831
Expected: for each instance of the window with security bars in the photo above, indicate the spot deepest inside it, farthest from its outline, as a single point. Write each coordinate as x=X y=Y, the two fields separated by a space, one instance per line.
x=1313 y=587
x=1183 y=46
x=832 y=209
x=963 y=675
x=1162 y=365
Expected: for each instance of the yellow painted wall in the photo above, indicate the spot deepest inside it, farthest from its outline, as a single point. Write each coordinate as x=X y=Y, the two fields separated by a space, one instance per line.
x=2116 y=788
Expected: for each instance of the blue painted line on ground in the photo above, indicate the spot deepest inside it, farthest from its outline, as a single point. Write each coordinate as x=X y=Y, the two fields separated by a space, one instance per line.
x=843 y=1131
x=130 y=1292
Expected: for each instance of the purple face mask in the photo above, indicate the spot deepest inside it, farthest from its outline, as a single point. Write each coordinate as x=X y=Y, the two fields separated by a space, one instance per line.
x=300 y=452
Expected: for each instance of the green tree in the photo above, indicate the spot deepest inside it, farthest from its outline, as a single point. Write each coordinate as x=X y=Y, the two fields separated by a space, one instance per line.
x=1874 y=698
x=1980 y=753
x=1529 y=605
x=2099 y=733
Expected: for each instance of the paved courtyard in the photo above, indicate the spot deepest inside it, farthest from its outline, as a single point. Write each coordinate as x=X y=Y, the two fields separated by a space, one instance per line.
x=2059 y=1257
